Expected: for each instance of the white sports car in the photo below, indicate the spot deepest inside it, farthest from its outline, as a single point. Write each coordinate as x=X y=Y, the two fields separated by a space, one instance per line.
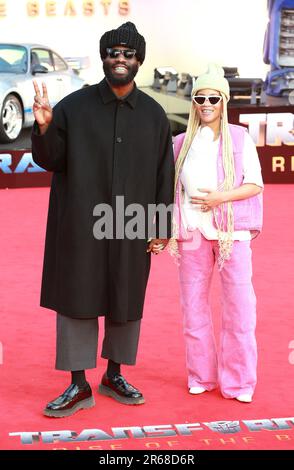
x=19 y=65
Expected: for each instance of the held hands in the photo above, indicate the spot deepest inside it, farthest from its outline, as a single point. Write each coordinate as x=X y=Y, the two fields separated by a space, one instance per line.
x=41 y=108
x=156 y=245
x=208 y=201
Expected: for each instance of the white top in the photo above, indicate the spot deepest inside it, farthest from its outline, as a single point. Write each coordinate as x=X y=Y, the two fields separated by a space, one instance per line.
x=200 y=171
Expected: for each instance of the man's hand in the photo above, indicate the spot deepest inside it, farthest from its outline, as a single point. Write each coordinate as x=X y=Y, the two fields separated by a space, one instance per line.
x=156 y=245
x=41 y=108
x=209 y=200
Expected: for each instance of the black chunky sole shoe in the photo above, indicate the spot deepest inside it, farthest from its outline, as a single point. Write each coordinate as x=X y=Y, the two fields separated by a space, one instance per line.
x=118 y=388
x=74 y=398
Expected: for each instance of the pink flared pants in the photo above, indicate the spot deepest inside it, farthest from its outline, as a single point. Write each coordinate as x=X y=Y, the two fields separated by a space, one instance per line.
x=233 y=366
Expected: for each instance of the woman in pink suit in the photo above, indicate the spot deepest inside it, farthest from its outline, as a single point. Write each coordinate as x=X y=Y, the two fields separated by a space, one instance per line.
x=218 y=190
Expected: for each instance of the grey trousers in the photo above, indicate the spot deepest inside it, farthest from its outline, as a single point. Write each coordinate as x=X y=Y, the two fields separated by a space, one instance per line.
x=77 y=339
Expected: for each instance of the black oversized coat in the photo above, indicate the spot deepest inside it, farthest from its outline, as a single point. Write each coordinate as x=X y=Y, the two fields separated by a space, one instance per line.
x=100 y=147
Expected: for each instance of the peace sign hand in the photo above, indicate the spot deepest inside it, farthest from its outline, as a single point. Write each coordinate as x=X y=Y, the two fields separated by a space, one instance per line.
x=41 y=108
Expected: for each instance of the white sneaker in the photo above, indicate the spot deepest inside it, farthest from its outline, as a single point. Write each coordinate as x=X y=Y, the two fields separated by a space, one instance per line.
x=197 y=390
x=246 y=398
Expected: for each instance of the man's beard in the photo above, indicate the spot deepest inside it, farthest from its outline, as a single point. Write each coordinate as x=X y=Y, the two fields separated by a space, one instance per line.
x=119 y=81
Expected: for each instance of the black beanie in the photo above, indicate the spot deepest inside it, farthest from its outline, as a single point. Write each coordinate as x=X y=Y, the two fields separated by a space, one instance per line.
x=126 y=35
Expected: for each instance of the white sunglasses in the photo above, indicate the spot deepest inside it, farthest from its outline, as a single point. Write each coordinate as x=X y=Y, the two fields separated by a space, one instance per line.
x=213 y=99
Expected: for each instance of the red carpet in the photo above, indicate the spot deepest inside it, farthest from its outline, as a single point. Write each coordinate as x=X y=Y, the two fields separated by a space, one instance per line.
x=27 y=335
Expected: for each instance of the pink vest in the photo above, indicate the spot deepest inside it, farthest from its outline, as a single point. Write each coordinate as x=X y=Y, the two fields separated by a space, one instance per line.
x=247 y=212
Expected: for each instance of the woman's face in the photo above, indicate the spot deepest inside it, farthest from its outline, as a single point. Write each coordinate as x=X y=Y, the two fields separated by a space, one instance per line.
x=209 y=112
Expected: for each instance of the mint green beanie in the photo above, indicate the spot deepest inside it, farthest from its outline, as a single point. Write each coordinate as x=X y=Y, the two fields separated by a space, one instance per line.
x=213 y=79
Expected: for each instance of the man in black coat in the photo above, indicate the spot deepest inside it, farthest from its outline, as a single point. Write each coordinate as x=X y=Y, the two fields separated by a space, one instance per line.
x=109 y=147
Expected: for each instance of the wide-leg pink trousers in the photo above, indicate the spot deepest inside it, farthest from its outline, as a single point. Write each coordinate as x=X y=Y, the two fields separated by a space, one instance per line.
x=233 y=367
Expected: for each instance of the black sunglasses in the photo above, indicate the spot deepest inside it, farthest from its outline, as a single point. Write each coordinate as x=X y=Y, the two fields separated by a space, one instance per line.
x=115 y=53
x=213 y=99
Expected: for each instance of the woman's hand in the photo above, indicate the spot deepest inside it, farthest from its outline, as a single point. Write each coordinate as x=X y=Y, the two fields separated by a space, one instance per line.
x=214 y=198
x=210 y=199
x=156 y=245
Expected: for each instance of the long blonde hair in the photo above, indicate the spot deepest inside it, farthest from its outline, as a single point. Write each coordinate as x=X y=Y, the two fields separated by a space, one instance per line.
x=223 y=214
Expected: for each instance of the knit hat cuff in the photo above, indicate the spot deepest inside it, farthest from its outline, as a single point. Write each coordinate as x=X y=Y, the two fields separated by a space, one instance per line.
x=126 y=35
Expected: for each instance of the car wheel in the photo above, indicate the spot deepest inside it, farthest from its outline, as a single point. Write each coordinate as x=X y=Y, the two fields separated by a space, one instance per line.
x=11 y=119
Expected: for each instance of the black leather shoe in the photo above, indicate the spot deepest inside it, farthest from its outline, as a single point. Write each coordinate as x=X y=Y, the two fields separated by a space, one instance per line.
x=118 y=388
x=74 y=398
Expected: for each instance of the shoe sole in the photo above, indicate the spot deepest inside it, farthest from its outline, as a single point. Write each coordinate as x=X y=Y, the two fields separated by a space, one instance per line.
x=82 y=405
x=108 y=392
x=244 y=401
x=198 y=392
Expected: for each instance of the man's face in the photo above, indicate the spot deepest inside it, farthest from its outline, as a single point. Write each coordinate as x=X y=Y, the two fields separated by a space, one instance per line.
x=120 y=70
